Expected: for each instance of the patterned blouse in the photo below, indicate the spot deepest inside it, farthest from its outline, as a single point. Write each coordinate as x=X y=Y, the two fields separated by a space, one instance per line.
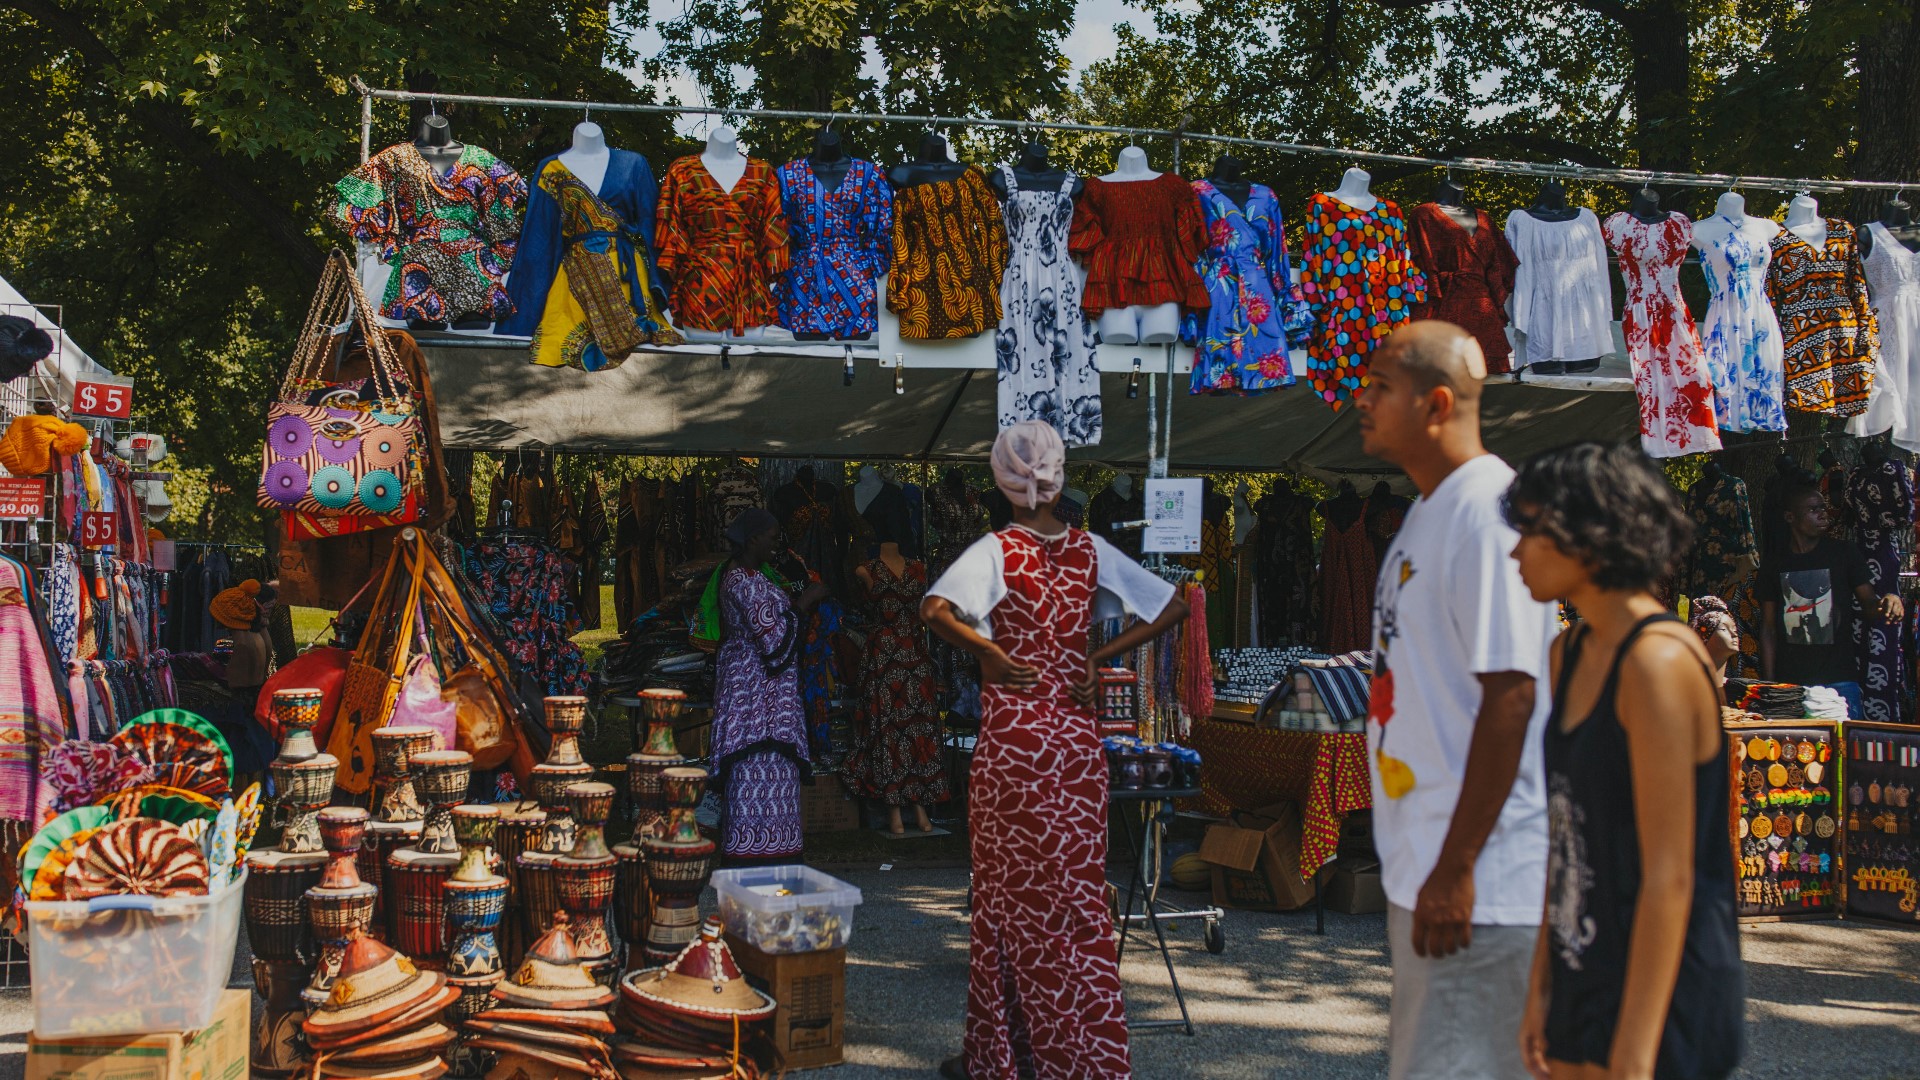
x=723 y=250
x=449 y=238
x=842 y=242
x=1826 y=322
x=949 y=252
x=1361 y=282
x=1141 y=240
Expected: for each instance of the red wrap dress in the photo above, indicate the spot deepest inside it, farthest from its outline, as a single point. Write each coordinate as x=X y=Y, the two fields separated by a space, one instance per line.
x=1043 y=997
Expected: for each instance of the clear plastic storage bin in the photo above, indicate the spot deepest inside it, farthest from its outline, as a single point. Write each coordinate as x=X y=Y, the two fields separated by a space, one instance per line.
x=131 y=965
x=786 y=909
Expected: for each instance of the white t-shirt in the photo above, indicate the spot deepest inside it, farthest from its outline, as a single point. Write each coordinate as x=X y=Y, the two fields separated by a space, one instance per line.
x=976 y=583
x=1450 y=606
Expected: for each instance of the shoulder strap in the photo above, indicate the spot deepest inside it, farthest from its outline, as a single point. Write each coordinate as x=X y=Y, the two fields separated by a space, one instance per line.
x=1066 y=186
x=1620 y=654
x=1006 y=174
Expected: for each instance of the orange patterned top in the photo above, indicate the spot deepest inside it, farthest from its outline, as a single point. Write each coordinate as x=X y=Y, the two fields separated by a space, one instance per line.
x=949 y=251
x=1827 y=326
x=722 y=250
x=1140 y=240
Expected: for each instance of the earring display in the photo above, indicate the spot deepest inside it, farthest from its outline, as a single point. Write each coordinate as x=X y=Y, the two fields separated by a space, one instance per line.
x=1882 y=856
x=1787 y=833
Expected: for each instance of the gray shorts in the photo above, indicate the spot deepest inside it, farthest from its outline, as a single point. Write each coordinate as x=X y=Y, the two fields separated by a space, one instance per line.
x=1458 y=1018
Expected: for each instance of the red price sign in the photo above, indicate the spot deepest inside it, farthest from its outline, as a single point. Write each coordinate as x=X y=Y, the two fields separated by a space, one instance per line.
x=113 y=400
x=97 y=528
x=22 y=498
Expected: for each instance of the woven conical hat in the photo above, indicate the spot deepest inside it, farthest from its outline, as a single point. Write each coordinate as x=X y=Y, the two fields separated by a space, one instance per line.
x=703 y=980
x=375 y=984
x=552 y=977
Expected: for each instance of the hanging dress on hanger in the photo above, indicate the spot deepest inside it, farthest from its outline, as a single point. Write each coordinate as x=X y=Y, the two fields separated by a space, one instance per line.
x=1469 y=277
x=1893 y=286
x=949 y=251
x=1669 y=365
x=1347 y=577
x=1045 y=345
x=723 y=249
x=842 y=241
x=1562 y=298
x=1828 y=339
x=1742 y=338
x=584 y=284
x=1257 y=311
x=1360 y=282
x=1880 y=499
x=1141 y=240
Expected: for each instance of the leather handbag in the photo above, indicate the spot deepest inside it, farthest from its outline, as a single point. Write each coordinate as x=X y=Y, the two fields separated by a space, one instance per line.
x=339 y=451
x=378 y=670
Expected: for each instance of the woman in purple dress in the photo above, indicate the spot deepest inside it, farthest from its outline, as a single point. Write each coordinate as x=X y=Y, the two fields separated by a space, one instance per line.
x=759 y=728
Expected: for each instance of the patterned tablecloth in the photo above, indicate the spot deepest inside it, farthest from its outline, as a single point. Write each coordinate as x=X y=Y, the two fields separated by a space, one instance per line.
x=1244 y=768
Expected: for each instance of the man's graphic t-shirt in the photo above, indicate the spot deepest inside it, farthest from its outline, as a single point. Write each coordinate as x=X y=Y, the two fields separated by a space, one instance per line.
x=1814 y=627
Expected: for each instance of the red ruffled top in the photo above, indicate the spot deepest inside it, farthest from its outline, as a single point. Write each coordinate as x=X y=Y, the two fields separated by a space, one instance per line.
x=1140 y=240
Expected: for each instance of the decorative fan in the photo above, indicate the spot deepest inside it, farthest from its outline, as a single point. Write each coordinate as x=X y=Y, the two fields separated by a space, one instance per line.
x=50 y=881
x=180 y=756
x=189 y=719
x=247 y=808
x=173 y=808
x=60 y=829
x=138 y=855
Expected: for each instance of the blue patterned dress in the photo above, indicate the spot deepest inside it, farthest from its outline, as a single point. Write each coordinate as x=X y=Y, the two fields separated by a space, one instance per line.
x=1880 y=497
x=1257 y=310
x=759 y=729
x=1745 y=357
x=842 y=241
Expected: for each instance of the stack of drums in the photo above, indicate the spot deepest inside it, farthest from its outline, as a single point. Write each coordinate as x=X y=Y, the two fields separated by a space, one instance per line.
x=518 y=832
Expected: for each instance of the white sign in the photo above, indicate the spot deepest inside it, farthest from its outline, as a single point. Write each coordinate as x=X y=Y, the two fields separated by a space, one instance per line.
x=1173 y=516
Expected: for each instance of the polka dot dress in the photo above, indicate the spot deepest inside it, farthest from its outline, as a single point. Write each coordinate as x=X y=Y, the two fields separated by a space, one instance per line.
x=1361 y=282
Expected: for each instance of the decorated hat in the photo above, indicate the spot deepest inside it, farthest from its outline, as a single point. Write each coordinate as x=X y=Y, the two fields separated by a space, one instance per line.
x=703 y=981
x=375 y=984
x=552 y=977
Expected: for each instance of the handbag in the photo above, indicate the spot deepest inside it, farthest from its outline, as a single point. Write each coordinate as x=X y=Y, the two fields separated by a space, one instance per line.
x=341 y=455
x=323 y=669
x=377 y=672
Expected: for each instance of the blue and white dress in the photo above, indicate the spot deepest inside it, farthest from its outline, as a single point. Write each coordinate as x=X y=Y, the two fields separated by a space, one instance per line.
x=1745 y=356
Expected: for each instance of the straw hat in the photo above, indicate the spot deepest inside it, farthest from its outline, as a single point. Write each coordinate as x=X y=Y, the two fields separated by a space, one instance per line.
x=425 y=1012
x=375 y=984
x=551 y=977
x=703 y=981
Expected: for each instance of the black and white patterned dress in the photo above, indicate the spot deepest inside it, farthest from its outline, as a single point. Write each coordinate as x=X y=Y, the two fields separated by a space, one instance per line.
x=1045 y=343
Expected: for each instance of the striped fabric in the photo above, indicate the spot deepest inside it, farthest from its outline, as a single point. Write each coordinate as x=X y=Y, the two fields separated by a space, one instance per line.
x=1341 y=683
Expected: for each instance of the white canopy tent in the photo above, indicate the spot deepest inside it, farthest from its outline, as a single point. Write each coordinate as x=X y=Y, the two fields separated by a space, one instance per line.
x=53 y=378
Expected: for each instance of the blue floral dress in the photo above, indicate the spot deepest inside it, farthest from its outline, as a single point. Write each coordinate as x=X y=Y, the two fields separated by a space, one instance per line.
x=842 y=242
x=1745 y=357
x=1257 y=310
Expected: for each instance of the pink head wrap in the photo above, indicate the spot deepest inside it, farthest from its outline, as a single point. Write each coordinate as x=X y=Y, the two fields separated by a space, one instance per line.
x=1029 y=463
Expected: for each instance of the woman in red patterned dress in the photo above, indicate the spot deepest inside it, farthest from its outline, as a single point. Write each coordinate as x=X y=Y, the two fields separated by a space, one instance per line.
x=1043 y=997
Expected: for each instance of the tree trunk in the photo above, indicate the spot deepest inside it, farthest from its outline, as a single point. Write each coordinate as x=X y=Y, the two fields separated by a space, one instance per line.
x=1889 y=106
x=1662 y=71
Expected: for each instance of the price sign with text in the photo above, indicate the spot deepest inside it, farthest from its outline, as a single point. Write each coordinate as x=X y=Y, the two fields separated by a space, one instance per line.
x=22 y=498
x=108 y=399
x=97 y=528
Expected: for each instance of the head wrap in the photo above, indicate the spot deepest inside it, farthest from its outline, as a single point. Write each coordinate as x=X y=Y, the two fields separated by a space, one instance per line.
x=1029 y=463
x=236 y=608
x=28 y=447
x=751 y=523
x=1707 y=614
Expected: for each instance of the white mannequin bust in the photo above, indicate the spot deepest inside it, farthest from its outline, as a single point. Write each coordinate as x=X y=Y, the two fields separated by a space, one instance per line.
x=1243 y=519
x=1123 y=486
x=866 y=488
x=1354 y=191
x=1805 y=222
x=588 y=157
x=1729 y=213
x=722 y=157
x=1130 y=166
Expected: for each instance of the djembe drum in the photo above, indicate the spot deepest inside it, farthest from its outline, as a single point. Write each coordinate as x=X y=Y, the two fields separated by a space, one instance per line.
x=476 y=900
x=630 y=900
x=660 y=708
x=519 y=830
x=276 y=1048
x=679 y=862
x=585 y=879
x=274 y=898
x=564 y=766
x=341 y=904
x=398 y=813
x=417 y=876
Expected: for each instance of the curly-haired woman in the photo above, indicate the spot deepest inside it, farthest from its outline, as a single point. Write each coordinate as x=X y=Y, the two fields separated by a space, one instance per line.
x=1637 y=969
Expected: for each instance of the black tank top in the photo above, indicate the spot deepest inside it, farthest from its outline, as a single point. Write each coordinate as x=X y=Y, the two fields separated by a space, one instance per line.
x=1593 y=886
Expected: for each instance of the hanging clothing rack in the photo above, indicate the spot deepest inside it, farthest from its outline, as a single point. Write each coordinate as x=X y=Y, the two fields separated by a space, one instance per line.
x=1176 y=135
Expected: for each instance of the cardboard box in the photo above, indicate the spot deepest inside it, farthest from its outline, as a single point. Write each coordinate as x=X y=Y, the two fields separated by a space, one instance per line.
x=1256 y=860
x=809 y=1024
x=215 y=1052
x=1354 y=887
x=825 y=806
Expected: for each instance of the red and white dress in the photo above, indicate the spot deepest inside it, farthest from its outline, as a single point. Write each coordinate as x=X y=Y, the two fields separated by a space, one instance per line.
x=1043 y=998
x=1669 y=366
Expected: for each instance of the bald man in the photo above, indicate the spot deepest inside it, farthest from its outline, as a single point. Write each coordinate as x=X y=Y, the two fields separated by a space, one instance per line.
x=1460 y=689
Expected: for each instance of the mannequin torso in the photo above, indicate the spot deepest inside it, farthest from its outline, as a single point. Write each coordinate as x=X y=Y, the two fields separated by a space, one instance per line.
x=723 y=159
x=433 y=137
x=866 y=488
x=1353 y=190
x=1033 y=172
x=1451 y=198
x=1130 y=166
x=1123 y=486
x=1729 y=213
x=829 y=160
x=1805 y=222
x=1137 y=324
x=588 y=157
x=1551 y=204
x=934 y=165
x=1229 y=179
x=1646 y=207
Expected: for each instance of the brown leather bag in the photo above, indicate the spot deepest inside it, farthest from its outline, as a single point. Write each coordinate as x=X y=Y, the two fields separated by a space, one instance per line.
x=488 y=719
x=378 y=669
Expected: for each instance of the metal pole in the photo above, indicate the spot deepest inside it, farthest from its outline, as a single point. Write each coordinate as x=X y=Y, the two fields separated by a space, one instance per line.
x=366 y=126
x=1471 y=164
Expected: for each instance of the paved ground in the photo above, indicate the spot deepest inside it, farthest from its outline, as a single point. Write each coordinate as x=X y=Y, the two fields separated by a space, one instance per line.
x=1826 y=999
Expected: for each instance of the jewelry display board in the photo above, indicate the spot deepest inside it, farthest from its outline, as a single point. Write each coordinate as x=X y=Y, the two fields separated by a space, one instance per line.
x=1786 y=820
x=1882 y=799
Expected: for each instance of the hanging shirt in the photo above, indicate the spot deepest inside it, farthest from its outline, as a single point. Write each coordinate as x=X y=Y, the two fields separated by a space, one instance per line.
x=1828 y=335
x=1141 y=240
x=1360 y=282
x=842 y=241
x=976 y=583
x=723 y=250
x=1469 y=276
x=584 y=285
x=949 y=252
x=1893 y=283
x=450 y=238
x=1562 y=297
x=1256 y=310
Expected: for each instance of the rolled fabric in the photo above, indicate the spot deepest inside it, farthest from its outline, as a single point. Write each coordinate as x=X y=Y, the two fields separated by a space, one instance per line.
x=1029 y=463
